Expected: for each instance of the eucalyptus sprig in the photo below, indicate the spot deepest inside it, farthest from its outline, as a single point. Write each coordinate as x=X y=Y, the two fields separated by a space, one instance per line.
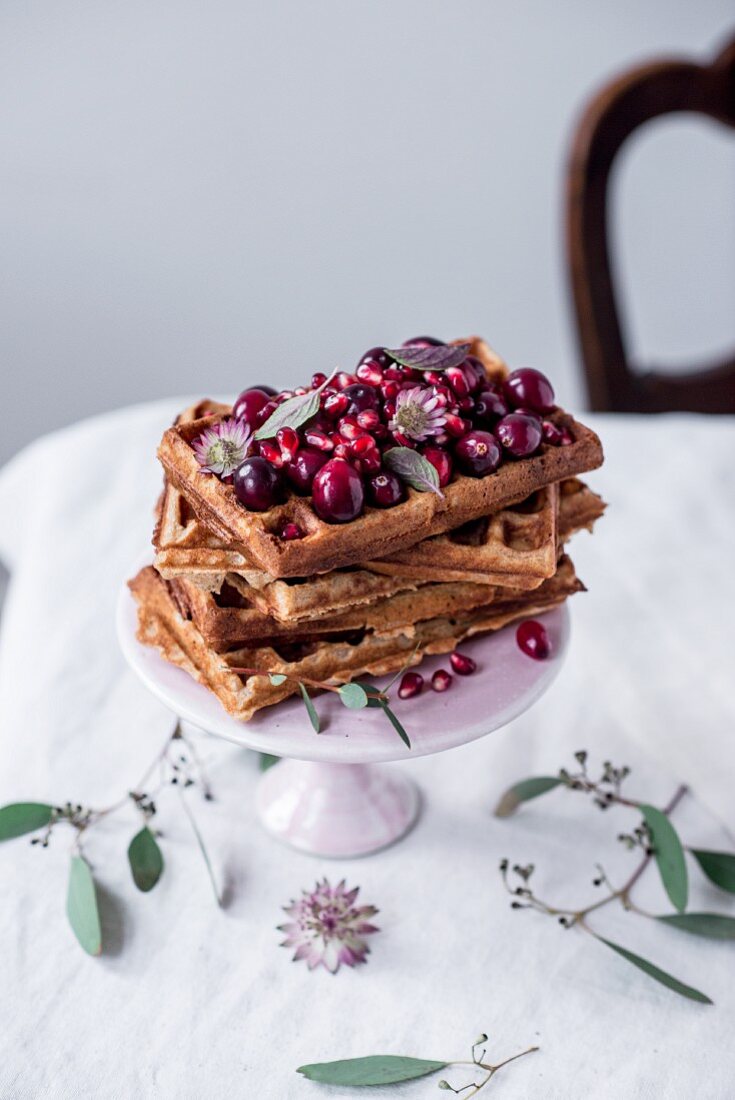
x=176 y=765
x=658 y=840
x=392 y=1069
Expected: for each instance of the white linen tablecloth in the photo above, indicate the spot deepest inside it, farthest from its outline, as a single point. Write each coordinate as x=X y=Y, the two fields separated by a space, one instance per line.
x=191 y=1002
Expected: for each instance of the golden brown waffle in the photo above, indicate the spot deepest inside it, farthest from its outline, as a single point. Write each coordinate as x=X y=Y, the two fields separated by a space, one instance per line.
x=161 y=624
x=378 y=533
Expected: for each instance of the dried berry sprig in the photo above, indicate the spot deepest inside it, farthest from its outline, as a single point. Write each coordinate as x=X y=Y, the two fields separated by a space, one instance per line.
x=172 y=766
x=392 y=1069
x=656 y=837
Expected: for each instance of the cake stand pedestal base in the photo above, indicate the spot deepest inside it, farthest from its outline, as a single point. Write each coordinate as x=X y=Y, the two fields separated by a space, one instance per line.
x=336 y=810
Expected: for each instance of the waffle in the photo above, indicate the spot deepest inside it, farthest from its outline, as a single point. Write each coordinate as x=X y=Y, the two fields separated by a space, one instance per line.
x=161 y=624
x=378 y=533
x=523 y=540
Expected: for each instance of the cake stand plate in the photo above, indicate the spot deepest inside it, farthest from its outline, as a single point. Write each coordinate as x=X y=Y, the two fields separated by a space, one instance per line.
x=328 y=795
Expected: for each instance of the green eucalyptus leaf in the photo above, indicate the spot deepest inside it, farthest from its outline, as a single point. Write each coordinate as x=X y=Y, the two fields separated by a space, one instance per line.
x=524 y=791
x=353 y=696
x=146 y=859
x=81 y=906
x=669 y=855
x=414 y=469
x=719 y=867
x=267 y=760
x=311 y=709
x=716 y=926
x=377 y=1069
x=656 y=973
x=277 y=678
x=19 y=818
x=396 y=724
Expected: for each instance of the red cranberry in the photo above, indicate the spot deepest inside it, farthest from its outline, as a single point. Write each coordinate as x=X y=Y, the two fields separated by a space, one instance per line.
x=489 y=407
x=335 y=405
x=342 y=380
x=361 y=397
x=520 y=434
x=411 y=685
x=441 y=680
x=249 y=404
x=442 y=463
x=315 y=437
x=304 y=467
x=533 y=639
x=551 y=434
x=477 y=453
x=379 y=356
x=337 y=492
x=288 y=441
x=371 y=373
x=266 y=389
x=257 y=484
x=265 y=413
x=385 y=489
x=291 y=531
x=462 y=664
x=530 y=388
x=318 y=379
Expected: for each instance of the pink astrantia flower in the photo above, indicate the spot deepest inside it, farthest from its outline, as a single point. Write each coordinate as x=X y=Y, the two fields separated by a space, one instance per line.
x=327 y=929
x=221 y=449
x=419 y=413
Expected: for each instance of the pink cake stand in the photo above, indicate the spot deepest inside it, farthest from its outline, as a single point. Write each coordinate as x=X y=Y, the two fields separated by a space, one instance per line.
x=329 y=796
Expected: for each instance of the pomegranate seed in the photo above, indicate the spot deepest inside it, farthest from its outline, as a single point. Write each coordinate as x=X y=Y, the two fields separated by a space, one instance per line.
x=369 y=462
x=566 y=437
x=318 y=379
x=442 y=439
x=349 y=428
x=411 y=685
x=466 y=403
x=445 y=395
x=455 y=425
x=394 y=373
x=462 y=664
x=291 y=531
x=458 y=380
x=342 y=450
x=441 y=680
x=272 y=454
x=343 y=379
x=389 y=410
x=533 y=639
x=390 y=391
x=371 y=373
x=435 y=378
x=442 y=463
x=363 y=444
x=380 y=432
x=551 y=434
x=335 y=405
x=404 y=441
x=368 y=419
x=288 y=441
x=319 y=439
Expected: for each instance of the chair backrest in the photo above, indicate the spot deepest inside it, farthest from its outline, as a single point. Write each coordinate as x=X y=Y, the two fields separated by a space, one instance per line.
x=644 y=93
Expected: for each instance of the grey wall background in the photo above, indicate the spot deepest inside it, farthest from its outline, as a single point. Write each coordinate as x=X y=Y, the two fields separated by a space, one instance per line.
x=200 y=194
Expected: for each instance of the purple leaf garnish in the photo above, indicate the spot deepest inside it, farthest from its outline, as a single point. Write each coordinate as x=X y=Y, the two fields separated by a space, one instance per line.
x=441 y=358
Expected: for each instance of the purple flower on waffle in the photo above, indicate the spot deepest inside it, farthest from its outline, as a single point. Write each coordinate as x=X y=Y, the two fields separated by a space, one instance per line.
x=419 y=413
x=326 y=928
x=221 y=449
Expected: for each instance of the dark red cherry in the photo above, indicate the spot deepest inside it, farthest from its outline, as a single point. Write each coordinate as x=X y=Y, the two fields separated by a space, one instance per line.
x=384 y=489
x=519 y=433
x=442 y=463
x=337 y=492
x=533 y=639
x=302 y=470
x=530 y=389
x=361 y=397
x=477 y=453
x=249 y=404
x=257 y=484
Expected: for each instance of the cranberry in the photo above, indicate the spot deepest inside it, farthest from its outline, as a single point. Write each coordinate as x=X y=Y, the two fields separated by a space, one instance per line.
x=291 y=531
x=378 y=356
x=335 y=405
x=423 y=342
x=459 y=380
x=478 y=453
x=257 y=484
x=361 y=397
x=531 y=389
x=370 y=373
x=411 y=685
x=266 y=389
x=462 y=664
x=318 y=379
x=265 y=413
x=551 y=434
x=304 y=467
x=519 y=433
x=385 y=489
x=342 y=380
x=489 y=406
x=442 y=463
x=337 y=492
x=441 y=680
x=533 y=639
x=249 y=404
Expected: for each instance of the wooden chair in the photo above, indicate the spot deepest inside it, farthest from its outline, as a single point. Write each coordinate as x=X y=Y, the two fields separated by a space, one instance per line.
x=632 y=99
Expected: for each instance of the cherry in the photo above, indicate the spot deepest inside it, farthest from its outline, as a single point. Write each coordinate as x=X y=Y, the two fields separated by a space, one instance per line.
x=462 y=664
x=478 y=453
x=385 y=489
x=442 y=463
x=302 y=470
x=531 y=389
x=519 y=433
x=441 y=680
x=257 y=484
x=249 y=404
x=337 y=492
x=411 y=685
x=533 y=639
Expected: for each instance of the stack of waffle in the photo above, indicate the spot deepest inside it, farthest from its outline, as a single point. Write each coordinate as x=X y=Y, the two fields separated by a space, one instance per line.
x=226 y=592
